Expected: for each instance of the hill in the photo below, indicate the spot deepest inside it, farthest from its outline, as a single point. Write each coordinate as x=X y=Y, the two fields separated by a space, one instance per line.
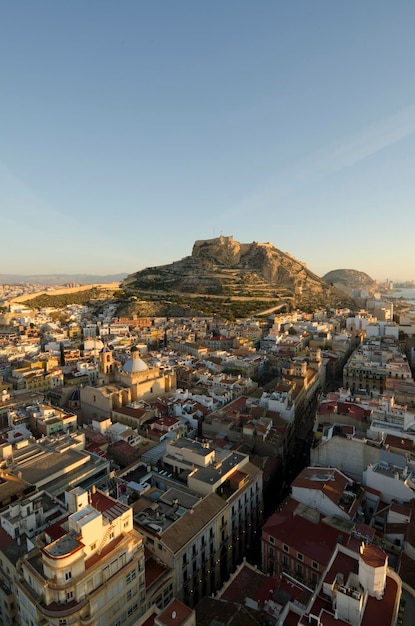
x=347 y=280
x=224 y=271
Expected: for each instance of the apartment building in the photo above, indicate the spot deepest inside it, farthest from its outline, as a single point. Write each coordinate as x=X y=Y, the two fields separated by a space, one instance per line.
x=394 y=481
x=295 y=540
x=357 y=587
x=375 y=361
x=202 y=525
x=329 y=491
x=88 y=570
x=55 y=463
x=48 y=420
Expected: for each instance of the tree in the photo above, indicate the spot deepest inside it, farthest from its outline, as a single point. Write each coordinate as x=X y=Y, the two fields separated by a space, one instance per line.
x=62 y=354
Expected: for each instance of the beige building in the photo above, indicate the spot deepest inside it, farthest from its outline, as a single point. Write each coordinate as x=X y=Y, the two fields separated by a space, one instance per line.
x=88 y=570
x=119 y=387
x=373 y=363
x=201 y=530
x=48 y=420
x=54 y=463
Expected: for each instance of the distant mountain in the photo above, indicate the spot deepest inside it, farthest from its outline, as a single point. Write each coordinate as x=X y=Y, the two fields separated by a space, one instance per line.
x=347 y=280
x=224 y=267
x=60 y=279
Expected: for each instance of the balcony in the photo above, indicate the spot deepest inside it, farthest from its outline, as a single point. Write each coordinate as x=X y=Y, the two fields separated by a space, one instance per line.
x=67 y=584
x=56 y=610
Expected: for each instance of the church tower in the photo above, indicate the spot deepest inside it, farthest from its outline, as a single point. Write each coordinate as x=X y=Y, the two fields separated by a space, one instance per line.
x=105 y=365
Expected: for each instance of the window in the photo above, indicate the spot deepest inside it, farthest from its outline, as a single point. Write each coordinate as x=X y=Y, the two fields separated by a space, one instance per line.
x=93 y=545
x=129 y=595
x=69 y=595
x=300 y=556
x=130 y=576
x=314 y=565
x=285 y=560
x=132 y=609
x=285 y=548
x=272 y=540
x=68 y=575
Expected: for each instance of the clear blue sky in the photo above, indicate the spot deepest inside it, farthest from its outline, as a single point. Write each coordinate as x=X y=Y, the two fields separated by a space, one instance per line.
x=130 y=129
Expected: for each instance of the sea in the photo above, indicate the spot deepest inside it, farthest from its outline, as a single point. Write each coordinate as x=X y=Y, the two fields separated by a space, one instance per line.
x=406 y=293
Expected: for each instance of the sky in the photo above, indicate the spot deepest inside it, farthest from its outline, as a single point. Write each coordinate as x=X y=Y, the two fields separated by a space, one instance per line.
x=131 y=129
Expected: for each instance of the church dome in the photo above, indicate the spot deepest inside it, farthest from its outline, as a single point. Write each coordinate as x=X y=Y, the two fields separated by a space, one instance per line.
x=135 y=364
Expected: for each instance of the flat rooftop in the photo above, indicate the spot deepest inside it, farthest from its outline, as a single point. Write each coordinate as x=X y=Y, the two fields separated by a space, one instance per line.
x=68 y=544
x=213 y=473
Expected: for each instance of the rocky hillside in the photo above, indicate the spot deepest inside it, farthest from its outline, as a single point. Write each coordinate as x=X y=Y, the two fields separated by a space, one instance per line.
x=347 y=280
x=223 y=268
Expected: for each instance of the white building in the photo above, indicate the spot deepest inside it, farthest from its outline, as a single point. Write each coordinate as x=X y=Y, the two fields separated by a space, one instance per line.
x=392 y=481
x=329 y=491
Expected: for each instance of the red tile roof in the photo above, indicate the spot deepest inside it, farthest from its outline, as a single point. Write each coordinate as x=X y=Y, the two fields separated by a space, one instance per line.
x=131 y=412
x=332 y=483
x=315 y=541
x=247 y=584
x=5 y=539
x=374 y=556
x=111 y=507
x=174 y=614
x=123 y=447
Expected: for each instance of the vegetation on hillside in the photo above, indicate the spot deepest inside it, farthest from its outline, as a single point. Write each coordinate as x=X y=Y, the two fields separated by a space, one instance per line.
x=59 y=301
x=178 y=305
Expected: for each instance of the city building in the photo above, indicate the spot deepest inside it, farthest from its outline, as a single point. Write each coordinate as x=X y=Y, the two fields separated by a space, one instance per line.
x=84 y=568
x=356 y=588
x=200 y=515
x=55 y=463
x=376 y=360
